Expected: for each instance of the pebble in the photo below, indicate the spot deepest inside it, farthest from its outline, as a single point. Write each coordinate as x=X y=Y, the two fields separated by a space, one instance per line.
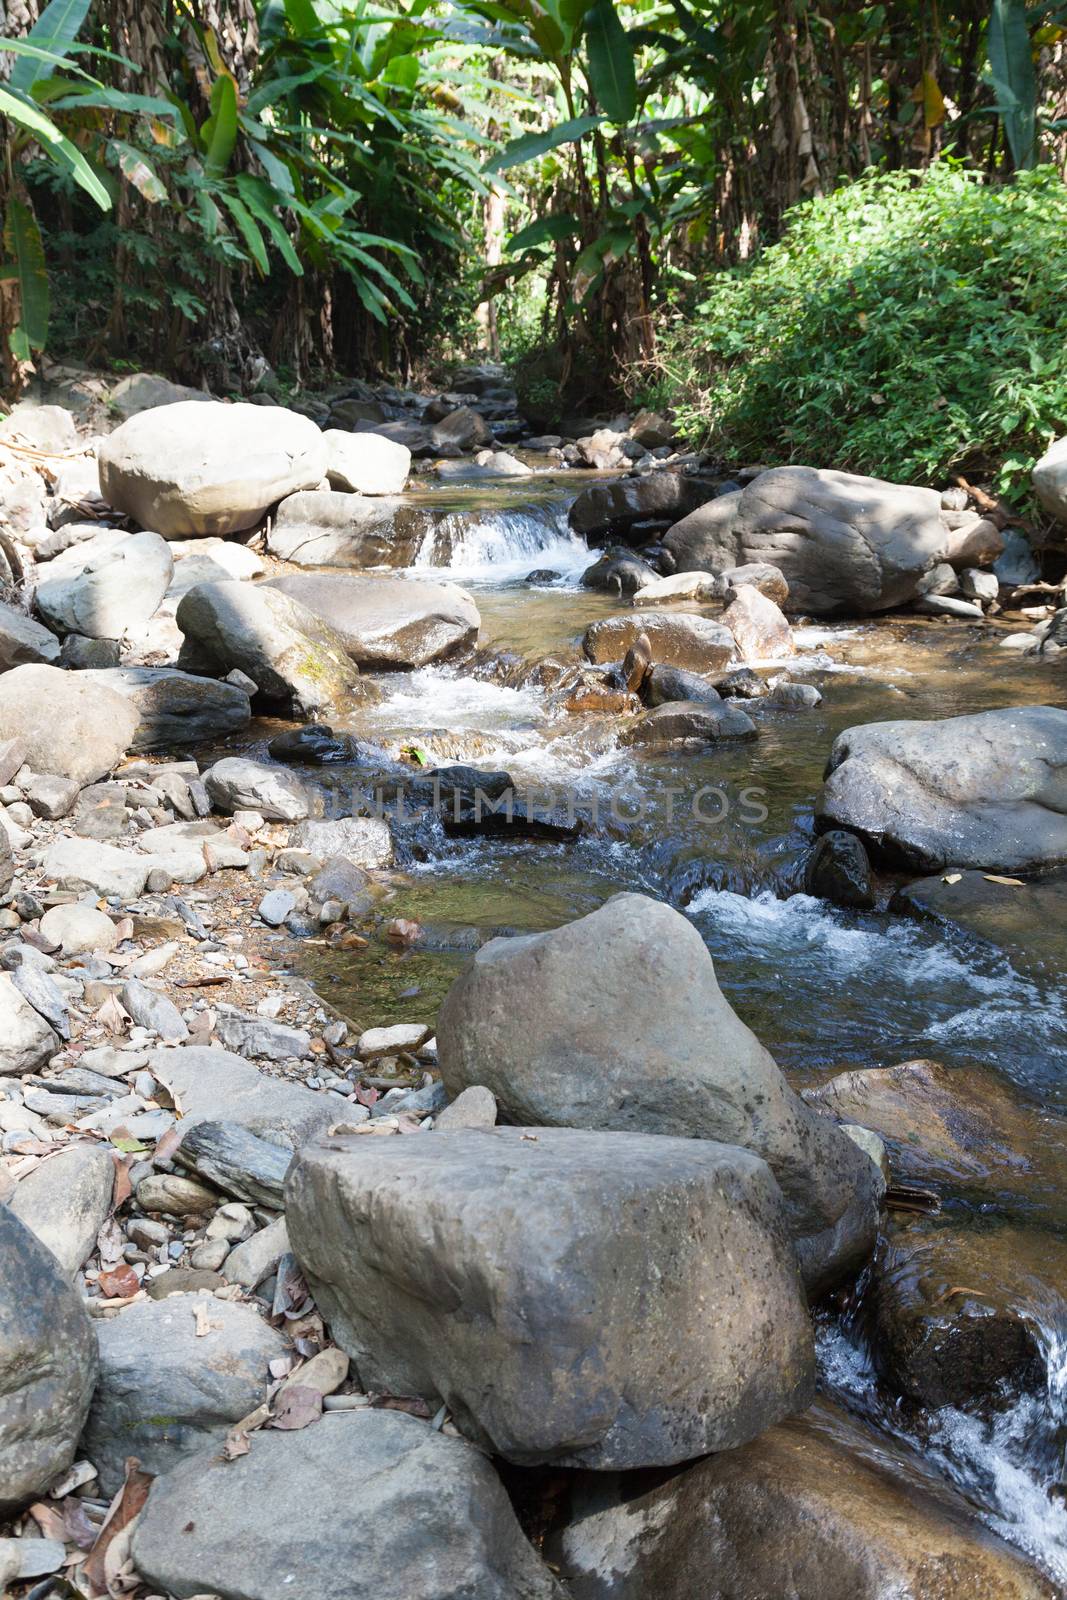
x=164 y=1191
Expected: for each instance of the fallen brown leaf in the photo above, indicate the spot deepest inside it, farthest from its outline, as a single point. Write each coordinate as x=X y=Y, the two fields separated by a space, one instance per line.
x=297 y=1407
x=236 y=1441
x=124 y=1508
x=119 y=1283
x=1010 y=883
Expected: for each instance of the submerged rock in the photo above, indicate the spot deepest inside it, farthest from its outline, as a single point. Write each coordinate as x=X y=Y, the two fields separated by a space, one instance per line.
x=377 y=1506
x=527 y=1254
x=695 y=643
x=192 y=469
x=987 y=791
x=680 y=723
x=617 y=1021
x=838 y=870
x=815 y=1509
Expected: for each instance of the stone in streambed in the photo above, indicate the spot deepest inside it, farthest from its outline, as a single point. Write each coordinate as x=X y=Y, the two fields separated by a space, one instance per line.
x=196 y=468
x=761 y=631
x=666 y=685
x=48 y=1364
x=377 y=1506
x=27 y=1042
x=249 y=1263
x=816 y=1509
x=688 y=723
x=153 y=1011
x=23 y=642
x=365 y=463
x=986 y=791
x=473 y=1108
x=387 y=622
x=363 y=840
x=216 y=1086
x=166 y=1390
x=65 y=1201
x=695 y=643
x=838 y=870
x=260 y=1036
x=176 y=708
x=238 y=784
x=619 y=571
x=635 y=1298
x=760 y=575
x=288 y=652
x=79 y=929
x=617 y=1021
x=614 y=507
x=113 y=591
x=679 y=586
x=955 y=1311
x=67 y=724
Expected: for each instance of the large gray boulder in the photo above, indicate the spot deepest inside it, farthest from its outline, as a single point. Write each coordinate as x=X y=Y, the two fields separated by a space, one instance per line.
x=817 y=1509
x=23 y=642
x=845 y=544
x=67 y=724
x=326 y=528
x=387 y=622
x=167 y=1389
x=605 y=1300
x=617 y=1021
x=65 y=1201
x=208 y=468
x=700 y=541
x=365 y=463
x=289 y=653
x=364 y=1505
x=112 y=592
x=47 y=1365
x=986 y=791
x=26 y=1040
x=684 y=639
x=176 y=708
x=1049 y=479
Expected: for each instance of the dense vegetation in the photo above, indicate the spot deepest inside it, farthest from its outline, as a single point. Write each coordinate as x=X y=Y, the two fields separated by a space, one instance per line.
x=248 y=191
x=898 y=329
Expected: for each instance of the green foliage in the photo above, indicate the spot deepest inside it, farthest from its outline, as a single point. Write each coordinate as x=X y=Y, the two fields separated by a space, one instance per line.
x=1011 y=67
x=901 y=328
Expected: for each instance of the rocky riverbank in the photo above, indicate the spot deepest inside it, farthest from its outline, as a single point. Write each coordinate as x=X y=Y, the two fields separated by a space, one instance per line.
x=514 y=1297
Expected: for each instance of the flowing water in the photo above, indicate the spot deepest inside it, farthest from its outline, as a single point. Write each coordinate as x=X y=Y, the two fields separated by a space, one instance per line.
x=722 y=836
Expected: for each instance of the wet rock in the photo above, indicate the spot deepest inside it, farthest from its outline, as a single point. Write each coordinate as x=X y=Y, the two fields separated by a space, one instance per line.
x=167 y=1390
x=378 y=1507
x=111 y=593
x=758 y=626
x=315 y=744
x=691 y=1231
x=365 y=463
x=364 y=840
x=78 y=929
x=237 y=784
x=963 y=1130
x=27 y=1043
x=686 y=722
x=177 y=708
x=838 y=870
x=788 y=696
x=48 y=1365
x=486 y=464
x=461 y=431
x=194 y=469
x=472 y=1108
x=770 y=581
x=741 y=684
x=23 y=642
x=387 y=622
x=618 y=572
x=217 y=1086
x=66 y=1200
x=153 y=1011
x=236 y=1161
x=258 y=1036
x=692 y=642
x=956 y=1311
x=615 y=507
x=617 y=1021
x=816 y=1508
x=1049 y=479
x=290 y=654
x=1015 y=917
x=948 y=605
x=663 y=685
x=67 y=724
x=975 y=791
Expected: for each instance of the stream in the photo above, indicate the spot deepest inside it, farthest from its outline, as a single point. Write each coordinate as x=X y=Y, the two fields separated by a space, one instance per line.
x=722 y=836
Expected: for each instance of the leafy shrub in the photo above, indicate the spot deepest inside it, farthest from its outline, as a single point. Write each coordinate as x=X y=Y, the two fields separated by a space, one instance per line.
x=900 y=328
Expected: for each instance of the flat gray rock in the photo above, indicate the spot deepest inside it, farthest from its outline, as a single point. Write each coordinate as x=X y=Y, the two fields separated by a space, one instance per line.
x=110 y=593
x=165 y=1390
x=617 y=1021
x=986 y=791
x=48 y=1364
x=24 y=642
x=237 y=784
x=215 y=1086
x=367 y=1505
x=176 y=708
x=65 y=1201
x=606 y=1300
x=387 y=622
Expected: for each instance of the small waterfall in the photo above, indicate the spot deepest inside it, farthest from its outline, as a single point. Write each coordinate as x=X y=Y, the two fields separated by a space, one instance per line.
x=493 y=546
